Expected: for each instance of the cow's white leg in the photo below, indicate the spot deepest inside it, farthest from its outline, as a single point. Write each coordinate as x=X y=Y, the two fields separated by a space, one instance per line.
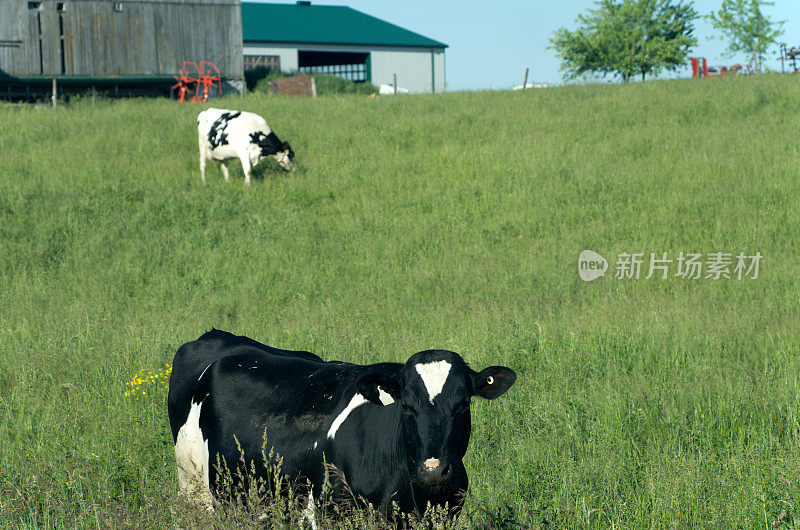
x=309 y=512
x=191 y=456
x=203 y=156
x=248 y=170
x=223 y=165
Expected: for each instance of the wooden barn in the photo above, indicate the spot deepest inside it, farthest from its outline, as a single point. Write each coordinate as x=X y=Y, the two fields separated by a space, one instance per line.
x=124 y=47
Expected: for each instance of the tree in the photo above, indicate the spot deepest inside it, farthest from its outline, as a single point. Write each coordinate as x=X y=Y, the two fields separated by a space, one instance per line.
x=626 y=38
x=747 y=29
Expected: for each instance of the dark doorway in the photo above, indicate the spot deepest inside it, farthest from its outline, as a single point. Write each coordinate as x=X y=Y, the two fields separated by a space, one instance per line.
x=348 y=65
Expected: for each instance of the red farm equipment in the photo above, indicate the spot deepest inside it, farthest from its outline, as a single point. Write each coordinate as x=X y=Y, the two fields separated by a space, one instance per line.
x=210 y=79
x=185 y=81
x=201 y=80
x=700 y=68
x=792 y=55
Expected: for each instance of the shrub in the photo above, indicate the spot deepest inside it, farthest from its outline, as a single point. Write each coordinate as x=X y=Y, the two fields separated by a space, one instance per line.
x=258 y=81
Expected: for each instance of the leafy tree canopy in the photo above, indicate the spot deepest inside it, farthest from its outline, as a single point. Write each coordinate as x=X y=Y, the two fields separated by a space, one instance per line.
x=746 y=28
x=626 y=38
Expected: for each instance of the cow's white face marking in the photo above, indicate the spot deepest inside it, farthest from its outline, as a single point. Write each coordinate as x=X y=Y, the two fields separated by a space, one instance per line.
x=356 y=401
x=191 y=456
x=434 y=375
x=385 y=398
x=432 y=463
x=284 y=161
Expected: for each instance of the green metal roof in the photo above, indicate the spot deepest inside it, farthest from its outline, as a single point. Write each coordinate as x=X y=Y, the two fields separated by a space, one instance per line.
x=311 y=24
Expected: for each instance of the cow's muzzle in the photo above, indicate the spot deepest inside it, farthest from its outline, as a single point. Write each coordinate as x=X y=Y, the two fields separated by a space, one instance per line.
x=435 y=472
x=285 y=161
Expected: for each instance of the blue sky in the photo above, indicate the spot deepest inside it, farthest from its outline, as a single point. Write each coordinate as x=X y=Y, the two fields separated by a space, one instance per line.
x=492 y=42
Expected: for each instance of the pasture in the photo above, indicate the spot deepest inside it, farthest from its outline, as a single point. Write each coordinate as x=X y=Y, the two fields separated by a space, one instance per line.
x=452 y=221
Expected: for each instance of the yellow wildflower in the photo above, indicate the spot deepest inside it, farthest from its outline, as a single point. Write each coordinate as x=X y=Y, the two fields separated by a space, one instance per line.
x=144 y=378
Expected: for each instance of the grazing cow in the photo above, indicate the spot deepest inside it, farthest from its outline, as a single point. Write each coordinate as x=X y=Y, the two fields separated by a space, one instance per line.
x=395 y=432
x=225 y=134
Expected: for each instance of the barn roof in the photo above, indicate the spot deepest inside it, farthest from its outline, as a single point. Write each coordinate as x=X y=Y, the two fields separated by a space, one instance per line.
x=312 y=24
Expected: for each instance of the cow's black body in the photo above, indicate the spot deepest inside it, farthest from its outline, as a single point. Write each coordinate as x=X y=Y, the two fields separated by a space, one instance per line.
x=288 y=401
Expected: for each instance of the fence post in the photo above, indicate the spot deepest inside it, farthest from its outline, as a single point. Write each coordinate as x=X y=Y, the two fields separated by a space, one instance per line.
x=55 y=93
x=525 y=83
x=395 y=84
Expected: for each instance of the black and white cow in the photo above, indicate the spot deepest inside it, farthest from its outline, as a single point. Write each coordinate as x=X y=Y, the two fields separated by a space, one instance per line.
x=226 y=134
x=396 y=432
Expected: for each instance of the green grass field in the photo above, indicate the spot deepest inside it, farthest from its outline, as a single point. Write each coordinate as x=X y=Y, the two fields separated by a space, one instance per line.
x=451 y=221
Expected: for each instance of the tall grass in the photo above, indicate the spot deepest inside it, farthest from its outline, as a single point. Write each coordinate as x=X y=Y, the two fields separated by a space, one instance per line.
x=450 y=221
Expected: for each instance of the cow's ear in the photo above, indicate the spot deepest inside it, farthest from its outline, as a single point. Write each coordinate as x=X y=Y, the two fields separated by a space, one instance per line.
x=493 y=381
x=379 y=388
x=286 y=146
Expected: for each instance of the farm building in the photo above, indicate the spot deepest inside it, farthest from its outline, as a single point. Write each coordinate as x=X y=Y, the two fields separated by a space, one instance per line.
x=127 y=46
x=339 y=40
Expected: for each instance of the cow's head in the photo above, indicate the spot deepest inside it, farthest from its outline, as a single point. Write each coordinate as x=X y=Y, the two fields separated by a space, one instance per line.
x=433 y=393
x=285 y=157
x=271 y=145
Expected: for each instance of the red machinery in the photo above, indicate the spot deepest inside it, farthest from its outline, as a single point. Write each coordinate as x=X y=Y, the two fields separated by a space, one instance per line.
x=210 y=78
x=700 y=68
x=193 y=77
x=792 y=55
x=185 y=81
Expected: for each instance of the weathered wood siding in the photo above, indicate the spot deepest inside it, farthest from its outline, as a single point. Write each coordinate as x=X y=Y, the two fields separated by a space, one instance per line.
x=13 y=39
x=147 y=37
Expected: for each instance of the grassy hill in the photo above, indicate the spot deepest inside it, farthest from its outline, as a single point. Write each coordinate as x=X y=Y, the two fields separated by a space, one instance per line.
x=451 y=221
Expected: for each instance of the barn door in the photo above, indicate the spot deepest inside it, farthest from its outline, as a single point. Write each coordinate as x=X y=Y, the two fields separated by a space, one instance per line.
x=46 y=26
x=36 y=59
x=61 y=7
